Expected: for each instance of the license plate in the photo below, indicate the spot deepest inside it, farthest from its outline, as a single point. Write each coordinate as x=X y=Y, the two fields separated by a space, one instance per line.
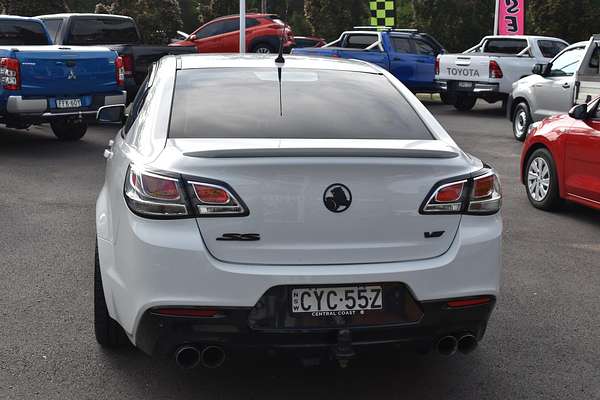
x=68 y=103
x=465 y=85
x=337 y=300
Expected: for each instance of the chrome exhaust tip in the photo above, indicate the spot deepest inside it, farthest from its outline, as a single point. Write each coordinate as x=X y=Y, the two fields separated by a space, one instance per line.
x=467 y=343
x=187 y=357
x=212 y=357
x=447 y=345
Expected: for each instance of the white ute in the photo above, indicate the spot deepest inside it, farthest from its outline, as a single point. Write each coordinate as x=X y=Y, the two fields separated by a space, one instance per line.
x=488 y=70
x=312 y=205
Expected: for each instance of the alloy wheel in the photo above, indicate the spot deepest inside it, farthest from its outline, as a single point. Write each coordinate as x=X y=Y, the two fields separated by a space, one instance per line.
x=538 y=179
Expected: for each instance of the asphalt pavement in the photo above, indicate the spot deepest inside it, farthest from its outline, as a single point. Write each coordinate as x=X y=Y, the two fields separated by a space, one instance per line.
x=543 y=341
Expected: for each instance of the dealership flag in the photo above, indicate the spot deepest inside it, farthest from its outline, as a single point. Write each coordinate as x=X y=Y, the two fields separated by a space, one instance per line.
x=383 y=12
x=510 y=17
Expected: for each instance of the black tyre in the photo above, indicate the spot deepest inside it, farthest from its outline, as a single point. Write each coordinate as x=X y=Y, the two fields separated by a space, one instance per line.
x=465 y=103
x=263 y=48
x=446 y=99
x=521 y=120
x=541 y=181
x=109 y=333
x=69 y=130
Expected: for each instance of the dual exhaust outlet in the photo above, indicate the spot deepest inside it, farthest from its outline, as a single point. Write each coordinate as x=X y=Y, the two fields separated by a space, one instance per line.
x=188 y=357
x=465 y=343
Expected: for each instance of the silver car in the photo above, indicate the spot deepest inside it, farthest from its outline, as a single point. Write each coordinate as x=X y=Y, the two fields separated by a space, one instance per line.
x=549 y=91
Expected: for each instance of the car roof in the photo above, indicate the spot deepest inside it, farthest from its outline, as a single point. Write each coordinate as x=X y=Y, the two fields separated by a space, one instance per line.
x=248 y=15
x=532 y=37
x=68 y=15
x=19 y=18
x=196 y=61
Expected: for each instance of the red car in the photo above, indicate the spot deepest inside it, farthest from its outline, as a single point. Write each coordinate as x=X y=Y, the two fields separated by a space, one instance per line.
x=222 y=35
x=561 y=159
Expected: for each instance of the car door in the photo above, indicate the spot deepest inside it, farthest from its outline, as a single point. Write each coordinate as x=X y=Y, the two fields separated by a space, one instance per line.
x=425 y=66
x=582 y=158
x=554 y=93
x=403 y=60
x=208 y=37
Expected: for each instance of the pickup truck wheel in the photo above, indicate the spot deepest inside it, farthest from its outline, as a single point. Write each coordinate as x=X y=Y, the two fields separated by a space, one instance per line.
x=69 y=130
x=465 y=103
x=263 y=48
x=108 y=332
x=521 y=121
x=447 y=99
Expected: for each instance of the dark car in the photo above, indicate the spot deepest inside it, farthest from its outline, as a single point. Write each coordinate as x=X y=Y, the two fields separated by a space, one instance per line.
x=117 y=32
x=222 y=35
x=309 y=41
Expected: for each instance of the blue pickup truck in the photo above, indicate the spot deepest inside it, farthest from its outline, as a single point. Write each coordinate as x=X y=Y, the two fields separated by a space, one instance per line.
x=62 y=85
x=407 y=53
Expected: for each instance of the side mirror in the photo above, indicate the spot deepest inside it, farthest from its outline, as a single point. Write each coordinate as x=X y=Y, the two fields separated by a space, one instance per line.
x=112 y=114
x=540 y=69
x=579 y=112
x=191 y=38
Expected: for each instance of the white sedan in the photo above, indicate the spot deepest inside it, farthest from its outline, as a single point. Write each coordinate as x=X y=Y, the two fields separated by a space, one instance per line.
x=311 y=205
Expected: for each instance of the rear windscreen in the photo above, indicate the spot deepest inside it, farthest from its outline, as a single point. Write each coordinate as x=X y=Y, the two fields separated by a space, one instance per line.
x=315 y=104
x=505 y=46
x=85 y=31
x=13 y=32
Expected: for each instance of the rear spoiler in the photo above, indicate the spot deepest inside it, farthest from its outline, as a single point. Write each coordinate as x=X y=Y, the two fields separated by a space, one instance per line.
x=322 y=152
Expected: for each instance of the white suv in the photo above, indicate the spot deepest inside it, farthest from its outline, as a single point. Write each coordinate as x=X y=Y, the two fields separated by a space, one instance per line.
x=228 y=221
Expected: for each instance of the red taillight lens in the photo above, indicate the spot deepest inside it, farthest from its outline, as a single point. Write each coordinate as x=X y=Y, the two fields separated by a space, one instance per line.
x=10 y=74
x=128 y=64
x=211 y=194
x=483 y=187
x=437 y=65
x=495 y=70
x=478 y=195
x=469 y=302
x=160 y=188
x=120 y=71
x=450 y=193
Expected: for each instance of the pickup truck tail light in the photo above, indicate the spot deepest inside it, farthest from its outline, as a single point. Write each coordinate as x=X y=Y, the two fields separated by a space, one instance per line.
x=478 y=195
x=437 y=65
x=128 y=65
x=120 y=71
x=10 y=74
x=495 y=70
x=156 y=195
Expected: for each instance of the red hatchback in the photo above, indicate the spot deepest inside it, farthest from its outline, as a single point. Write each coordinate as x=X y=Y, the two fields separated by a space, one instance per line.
x=222 y=35
x=561 y=159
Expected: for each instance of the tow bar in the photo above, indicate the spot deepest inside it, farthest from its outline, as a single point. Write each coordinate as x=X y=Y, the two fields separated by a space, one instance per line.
x=343 y=350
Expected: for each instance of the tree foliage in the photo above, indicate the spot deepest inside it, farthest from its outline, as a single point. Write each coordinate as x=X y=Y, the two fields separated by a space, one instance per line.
x=158 y=19
x=569 y=20
x=457 y=27
x=329 y=18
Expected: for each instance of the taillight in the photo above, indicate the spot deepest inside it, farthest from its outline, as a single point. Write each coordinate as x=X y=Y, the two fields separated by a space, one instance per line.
x=495 y=70
x=10 y=76
x=437 y=65
x=154 y=195
x=120 y=71
x=480 y=194
x=128 y=65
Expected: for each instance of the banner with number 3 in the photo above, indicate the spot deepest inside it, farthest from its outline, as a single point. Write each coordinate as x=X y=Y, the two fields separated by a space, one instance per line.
x=511 y=17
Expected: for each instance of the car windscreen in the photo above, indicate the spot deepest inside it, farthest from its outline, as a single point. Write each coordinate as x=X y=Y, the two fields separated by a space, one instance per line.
x=85 y=31
x=14 y=32
x=315 y=104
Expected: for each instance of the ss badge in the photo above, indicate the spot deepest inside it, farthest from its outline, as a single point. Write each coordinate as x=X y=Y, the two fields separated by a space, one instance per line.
x=240 y=237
